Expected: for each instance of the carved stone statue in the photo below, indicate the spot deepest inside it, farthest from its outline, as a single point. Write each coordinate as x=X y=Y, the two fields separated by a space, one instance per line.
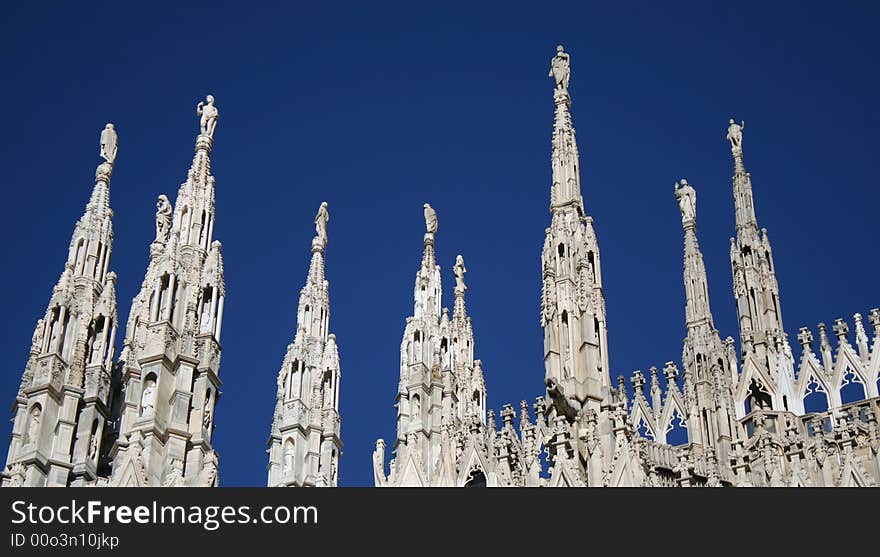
x=321 y=222
x=33 y=425
x=148 y=399
x=430 y=219
x=735 y=133
x=93 y=446
x=109 y=143
x=379 y=463
x=37 y=339
x=687 y=201
x=416 y=407
x=163 y=218
x=459 y=271
x=209 y=115
x=560 y=69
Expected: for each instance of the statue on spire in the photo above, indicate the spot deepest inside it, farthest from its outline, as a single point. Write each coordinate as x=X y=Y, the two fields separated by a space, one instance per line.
x=430 y=219
x=687 y=201
x=321 y=223
x=209 y=115
x=459 y=271
x=560 y=69
x=735 y=134
x=109 y=143
x=163 y=218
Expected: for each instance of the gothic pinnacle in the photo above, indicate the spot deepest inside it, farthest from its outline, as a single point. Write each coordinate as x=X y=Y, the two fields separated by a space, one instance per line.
x=430 y=231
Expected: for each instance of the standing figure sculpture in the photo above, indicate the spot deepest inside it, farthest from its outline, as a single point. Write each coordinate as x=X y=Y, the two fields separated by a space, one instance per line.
x=93 y=446
x=321 y=220
x=560 y=69
x=109 y=143
x=148 y=399
x=687 y=201
x=459 y=271
x=33 y=425
x=163 y=218
x=209 y=115
x=430 y=219
x=37 y=338
x=735 y=134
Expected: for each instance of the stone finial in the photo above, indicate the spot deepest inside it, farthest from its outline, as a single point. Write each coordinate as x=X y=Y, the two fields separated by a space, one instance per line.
x=638 y=380
x=655 y=381
x=540 y=406
x=507 y=415
x=805 y=337
x=861 y=336
x=523 y=414
x=670 y=371
x=841 y=329
x=823 y=337
x=874 y=319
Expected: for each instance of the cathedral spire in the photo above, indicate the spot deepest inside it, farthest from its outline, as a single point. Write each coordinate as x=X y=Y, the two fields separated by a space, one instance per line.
x=566 y=187
x=756 y=289
x=171 y=353
x=304 y=445
x=62 y=404
x=573 y=303
x=742 y=182
x=697 y=309
x=754 y=271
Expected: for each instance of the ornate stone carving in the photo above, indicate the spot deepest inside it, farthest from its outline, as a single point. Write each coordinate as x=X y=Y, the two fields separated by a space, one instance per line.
x=209 y=114
x=735 y=134
x=321 y=220
x=560 y=69
x=163 y=218
x=430 y=219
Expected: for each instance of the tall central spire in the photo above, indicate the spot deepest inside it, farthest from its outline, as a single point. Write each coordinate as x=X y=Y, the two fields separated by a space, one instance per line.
x=170 y=361
x=572 y=304
x=566 y=189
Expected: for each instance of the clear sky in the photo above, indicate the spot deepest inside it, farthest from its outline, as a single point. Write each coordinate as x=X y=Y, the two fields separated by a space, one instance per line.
x=378 y=108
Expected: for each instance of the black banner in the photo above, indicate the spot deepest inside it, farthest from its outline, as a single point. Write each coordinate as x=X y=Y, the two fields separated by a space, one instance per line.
x=159 y=521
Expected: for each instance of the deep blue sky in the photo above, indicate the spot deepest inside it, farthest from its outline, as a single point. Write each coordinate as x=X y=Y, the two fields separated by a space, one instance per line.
x=378 y=109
